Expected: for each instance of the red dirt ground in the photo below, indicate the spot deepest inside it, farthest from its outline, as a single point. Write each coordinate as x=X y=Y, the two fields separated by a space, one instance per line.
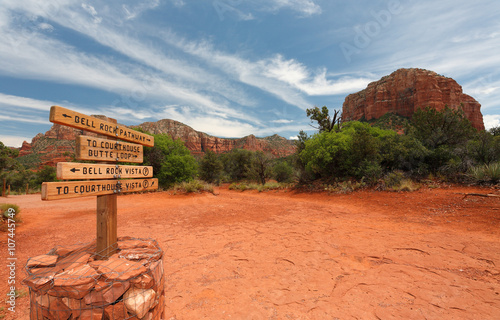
x=430 y=254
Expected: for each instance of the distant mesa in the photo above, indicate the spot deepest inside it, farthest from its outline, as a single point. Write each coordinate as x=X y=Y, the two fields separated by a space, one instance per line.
x=58 y=144
x=405 y=91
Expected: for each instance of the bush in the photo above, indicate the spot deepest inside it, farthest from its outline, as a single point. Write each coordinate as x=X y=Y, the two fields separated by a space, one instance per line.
x=259 y=187
x=211 y=167
x=345 y=186
x=171 y=160
x=6 y=214
x=396 y=181
x=489 y=173
x=283 y=172
x=194 y=186
x=238 y=164
x=352 y=152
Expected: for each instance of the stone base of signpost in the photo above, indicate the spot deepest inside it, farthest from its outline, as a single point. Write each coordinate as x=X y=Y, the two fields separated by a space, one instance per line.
x=72 y=282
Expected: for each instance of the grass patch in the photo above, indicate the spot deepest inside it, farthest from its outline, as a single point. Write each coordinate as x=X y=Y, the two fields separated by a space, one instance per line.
x=344 y=186
x=259 y=187
x=193 y=186
x=396 y=181
x=489 y=173
x=10 y=214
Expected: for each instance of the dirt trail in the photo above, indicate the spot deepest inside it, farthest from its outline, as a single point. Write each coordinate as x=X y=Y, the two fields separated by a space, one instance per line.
x=429 y=254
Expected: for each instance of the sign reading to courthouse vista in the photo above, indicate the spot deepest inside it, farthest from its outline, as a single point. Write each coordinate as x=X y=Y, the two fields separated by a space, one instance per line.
x=77 y=120
x=75 y=189
x=90 y=148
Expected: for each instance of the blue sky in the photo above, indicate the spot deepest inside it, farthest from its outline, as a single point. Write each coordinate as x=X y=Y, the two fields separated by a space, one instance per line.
x=231 y=68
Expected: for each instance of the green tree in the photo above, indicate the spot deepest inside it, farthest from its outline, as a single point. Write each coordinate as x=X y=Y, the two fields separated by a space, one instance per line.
x=282 y=171
x=46 y=174
x=238 y=164
x=440 y=128
x=261 y=166
x=211 y=167
x=325 y=121
x=352 y=152
x=171 y=160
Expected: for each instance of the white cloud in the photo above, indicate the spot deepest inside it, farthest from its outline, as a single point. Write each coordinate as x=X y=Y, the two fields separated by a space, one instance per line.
x=91 y=10
x=9 y=101
x=282 y=121
x=304 y=7
x=491 y=120
x=137 y=9
x=297 y=75
x=293 y=138
x=13 y=141
x=24 y=119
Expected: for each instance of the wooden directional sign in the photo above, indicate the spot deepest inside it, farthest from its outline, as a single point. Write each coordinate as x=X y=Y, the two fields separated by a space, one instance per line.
x=78 y=120
x=91 y=148
x=75 y=189
x=72 y=171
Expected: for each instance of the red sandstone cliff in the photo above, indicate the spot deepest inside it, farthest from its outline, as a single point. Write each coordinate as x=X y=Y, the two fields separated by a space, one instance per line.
x=199 y=142
x=58 y=144
x=406 y=90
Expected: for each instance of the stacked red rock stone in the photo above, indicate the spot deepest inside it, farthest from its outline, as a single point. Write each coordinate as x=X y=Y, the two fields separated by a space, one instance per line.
x=71 y=283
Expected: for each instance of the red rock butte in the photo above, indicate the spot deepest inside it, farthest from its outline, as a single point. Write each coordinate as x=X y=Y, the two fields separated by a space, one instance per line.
x=405 y=91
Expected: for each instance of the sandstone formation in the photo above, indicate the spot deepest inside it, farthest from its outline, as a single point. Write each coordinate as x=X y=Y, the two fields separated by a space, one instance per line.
x=199 y=142
x=70 y=283
x=405 y=91
x=58 y=144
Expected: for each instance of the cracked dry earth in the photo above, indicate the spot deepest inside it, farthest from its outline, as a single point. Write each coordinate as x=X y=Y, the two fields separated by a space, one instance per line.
x=430 y=254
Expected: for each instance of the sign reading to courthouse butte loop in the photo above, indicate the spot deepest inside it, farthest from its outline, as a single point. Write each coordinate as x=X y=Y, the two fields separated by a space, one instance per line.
x=91 y=148
x=75 y=189
x=72 y=171
x=78 y=120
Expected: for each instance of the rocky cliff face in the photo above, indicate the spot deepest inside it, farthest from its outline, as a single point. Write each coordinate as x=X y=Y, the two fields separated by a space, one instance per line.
x=405 y=91
x=58 y=144
x=199 y=142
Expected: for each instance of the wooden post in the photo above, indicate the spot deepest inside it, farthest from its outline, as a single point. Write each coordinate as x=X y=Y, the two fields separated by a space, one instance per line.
x=4 y=187
x=27 y=188
x=107 y=222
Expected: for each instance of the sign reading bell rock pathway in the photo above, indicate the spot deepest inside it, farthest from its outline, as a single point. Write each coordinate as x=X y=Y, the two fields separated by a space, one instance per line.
x=101 y=180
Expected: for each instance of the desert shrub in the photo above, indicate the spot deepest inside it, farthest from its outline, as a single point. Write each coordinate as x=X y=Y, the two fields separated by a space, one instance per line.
x=171 y=160
x=489 y=173
x=211 y=167
x=352 y=152
x=344 y=186
x=194 y=186
x=46 y=174
x=238 y=164
x=434 y=128
x=282 y=171
x=403 y=152
x=484 y=148
x=259 y=187
x=397 y=181
x=9 y=214
x=261 y=169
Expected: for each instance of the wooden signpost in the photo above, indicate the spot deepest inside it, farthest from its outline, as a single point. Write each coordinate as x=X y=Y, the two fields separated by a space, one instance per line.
x=105 y=183
x=91 y=148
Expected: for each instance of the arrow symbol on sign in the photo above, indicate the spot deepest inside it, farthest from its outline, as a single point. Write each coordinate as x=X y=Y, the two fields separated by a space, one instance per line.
x=74 y=170
x=66 y=116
